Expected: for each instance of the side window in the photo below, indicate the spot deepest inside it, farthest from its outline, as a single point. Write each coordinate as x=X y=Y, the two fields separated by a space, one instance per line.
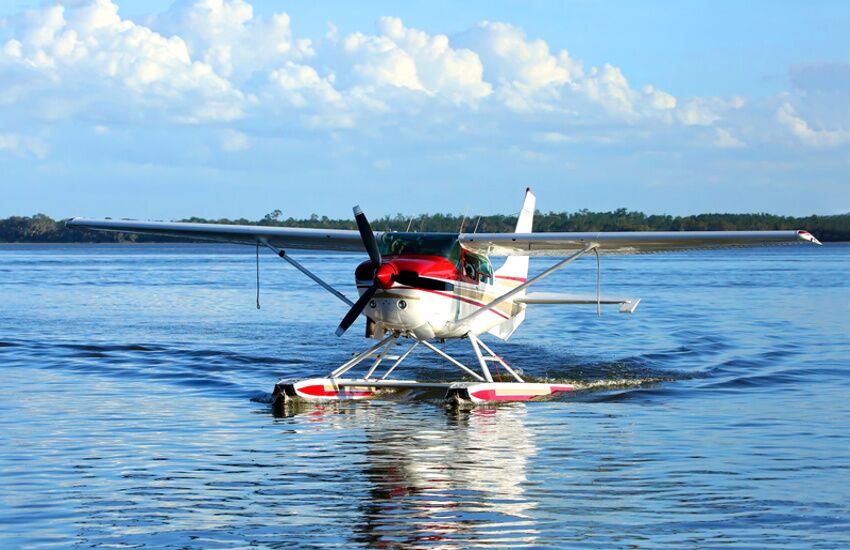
x=469 y=267
x=486 y=271
x=477 y=268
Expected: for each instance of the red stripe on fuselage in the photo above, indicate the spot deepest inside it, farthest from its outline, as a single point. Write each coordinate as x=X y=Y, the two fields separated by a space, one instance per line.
x=462 y=299
x=518 y=279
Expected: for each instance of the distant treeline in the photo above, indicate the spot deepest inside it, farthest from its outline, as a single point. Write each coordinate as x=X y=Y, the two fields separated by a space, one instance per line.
x=43 y=229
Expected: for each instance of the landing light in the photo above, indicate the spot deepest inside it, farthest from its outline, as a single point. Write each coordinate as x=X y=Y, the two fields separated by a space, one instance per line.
x=402 y=304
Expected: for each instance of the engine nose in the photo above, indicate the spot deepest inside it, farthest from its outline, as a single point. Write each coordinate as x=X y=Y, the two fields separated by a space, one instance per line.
x=384 y=274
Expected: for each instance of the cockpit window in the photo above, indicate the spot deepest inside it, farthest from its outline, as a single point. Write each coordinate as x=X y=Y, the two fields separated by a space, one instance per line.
x=444 y=245
x=477 y=267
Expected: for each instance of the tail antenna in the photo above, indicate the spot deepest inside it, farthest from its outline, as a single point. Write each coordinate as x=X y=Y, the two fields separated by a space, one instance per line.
x=463 y=220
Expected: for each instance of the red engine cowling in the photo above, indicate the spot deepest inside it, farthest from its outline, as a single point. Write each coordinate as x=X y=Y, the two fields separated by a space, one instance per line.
x=435 y=267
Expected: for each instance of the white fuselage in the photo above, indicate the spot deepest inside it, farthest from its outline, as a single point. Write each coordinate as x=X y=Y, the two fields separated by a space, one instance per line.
x=440 y=314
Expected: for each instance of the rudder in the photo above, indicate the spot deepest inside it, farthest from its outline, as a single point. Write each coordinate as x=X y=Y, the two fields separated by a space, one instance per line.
x=515 y=268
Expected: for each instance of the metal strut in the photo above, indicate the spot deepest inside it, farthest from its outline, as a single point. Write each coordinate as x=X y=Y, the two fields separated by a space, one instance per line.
x=528 y=283
x=400 y=359
x=360 y=357
x=496 y=358
x=307 y=272
x=386 y=345
x=481 y=360
x=451 y=360
x=382 y=355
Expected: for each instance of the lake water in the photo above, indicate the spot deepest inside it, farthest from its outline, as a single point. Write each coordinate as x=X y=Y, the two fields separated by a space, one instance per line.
x=134 y=386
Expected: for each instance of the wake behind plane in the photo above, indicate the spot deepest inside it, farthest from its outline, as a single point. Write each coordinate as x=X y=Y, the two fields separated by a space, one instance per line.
x=419 y=288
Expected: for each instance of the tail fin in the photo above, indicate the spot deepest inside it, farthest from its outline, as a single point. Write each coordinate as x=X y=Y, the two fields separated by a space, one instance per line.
x=516 y=267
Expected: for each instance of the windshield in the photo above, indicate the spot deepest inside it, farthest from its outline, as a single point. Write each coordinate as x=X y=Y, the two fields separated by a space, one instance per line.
x=444 y=245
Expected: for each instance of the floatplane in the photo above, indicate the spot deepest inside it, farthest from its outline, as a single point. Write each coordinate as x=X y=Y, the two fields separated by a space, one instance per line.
x=420 y=288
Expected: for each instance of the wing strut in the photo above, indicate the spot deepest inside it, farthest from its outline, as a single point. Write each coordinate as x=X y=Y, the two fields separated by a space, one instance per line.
x=528 y=283
x=297 y=265
x=258 y=274
x=598 y=285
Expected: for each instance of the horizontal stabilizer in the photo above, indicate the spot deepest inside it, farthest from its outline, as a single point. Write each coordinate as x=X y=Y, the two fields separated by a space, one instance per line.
x=627 y=305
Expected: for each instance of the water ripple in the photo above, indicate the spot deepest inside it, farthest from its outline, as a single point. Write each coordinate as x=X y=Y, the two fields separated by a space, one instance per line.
x=139 y=417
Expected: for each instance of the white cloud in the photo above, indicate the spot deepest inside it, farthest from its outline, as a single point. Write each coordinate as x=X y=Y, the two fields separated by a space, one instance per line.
x=216 y=61
x=233 y=141
x=402 y=57
x=723 y=138
x=528 y=77
x=555 y=137
x=558 y=137
x=609 y=87
x=378 y=61
x=300 y=85
x=788 y=117
x=697 y=112
x=114 y=63
x=528 y=155
x=23 y=146
x=226 y=35
x=658 y=99
x=511 y=60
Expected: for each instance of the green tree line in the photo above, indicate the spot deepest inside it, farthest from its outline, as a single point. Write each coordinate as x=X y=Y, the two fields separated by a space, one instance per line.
x=43 y=229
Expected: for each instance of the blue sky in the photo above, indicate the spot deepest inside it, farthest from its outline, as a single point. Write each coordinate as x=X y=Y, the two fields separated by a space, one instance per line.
x=228 y=108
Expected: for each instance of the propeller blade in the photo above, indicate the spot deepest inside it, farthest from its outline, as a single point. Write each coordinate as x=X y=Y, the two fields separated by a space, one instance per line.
x=355 y=310
x=368 y=236
x=409 y=278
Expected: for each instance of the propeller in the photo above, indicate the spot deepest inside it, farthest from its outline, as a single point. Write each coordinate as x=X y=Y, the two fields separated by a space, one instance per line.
x=355 y=310
x=371 y=244
x=385 y=274
x=368 y=236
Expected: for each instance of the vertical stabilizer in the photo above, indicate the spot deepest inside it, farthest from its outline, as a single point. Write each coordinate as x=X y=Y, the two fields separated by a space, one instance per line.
x=515 y=270
x=516 y=267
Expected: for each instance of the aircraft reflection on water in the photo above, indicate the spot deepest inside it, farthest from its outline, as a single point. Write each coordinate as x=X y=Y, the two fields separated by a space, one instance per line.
x=437 y=479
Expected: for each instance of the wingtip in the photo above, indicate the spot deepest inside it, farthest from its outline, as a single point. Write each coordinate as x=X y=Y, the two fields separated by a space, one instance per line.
x=629 y=306
x=806 y=236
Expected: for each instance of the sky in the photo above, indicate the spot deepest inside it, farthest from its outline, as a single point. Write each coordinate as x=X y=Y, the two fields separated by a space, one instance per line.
x=234 y=108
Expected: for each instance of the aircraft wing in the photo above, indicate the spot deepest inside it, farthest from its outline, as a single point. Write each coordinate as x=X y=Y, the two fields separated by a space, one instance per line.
x=281 y=237
x=623 y=242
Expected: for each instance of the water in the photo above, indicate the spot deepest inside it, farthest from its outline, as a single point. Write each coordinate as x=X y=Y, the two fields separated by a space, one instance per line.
x=134 y=409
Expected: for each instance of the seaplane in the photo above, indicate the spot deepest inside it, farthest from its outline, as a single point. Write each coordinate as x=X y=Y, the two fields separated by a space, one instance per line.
x=418 y=288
